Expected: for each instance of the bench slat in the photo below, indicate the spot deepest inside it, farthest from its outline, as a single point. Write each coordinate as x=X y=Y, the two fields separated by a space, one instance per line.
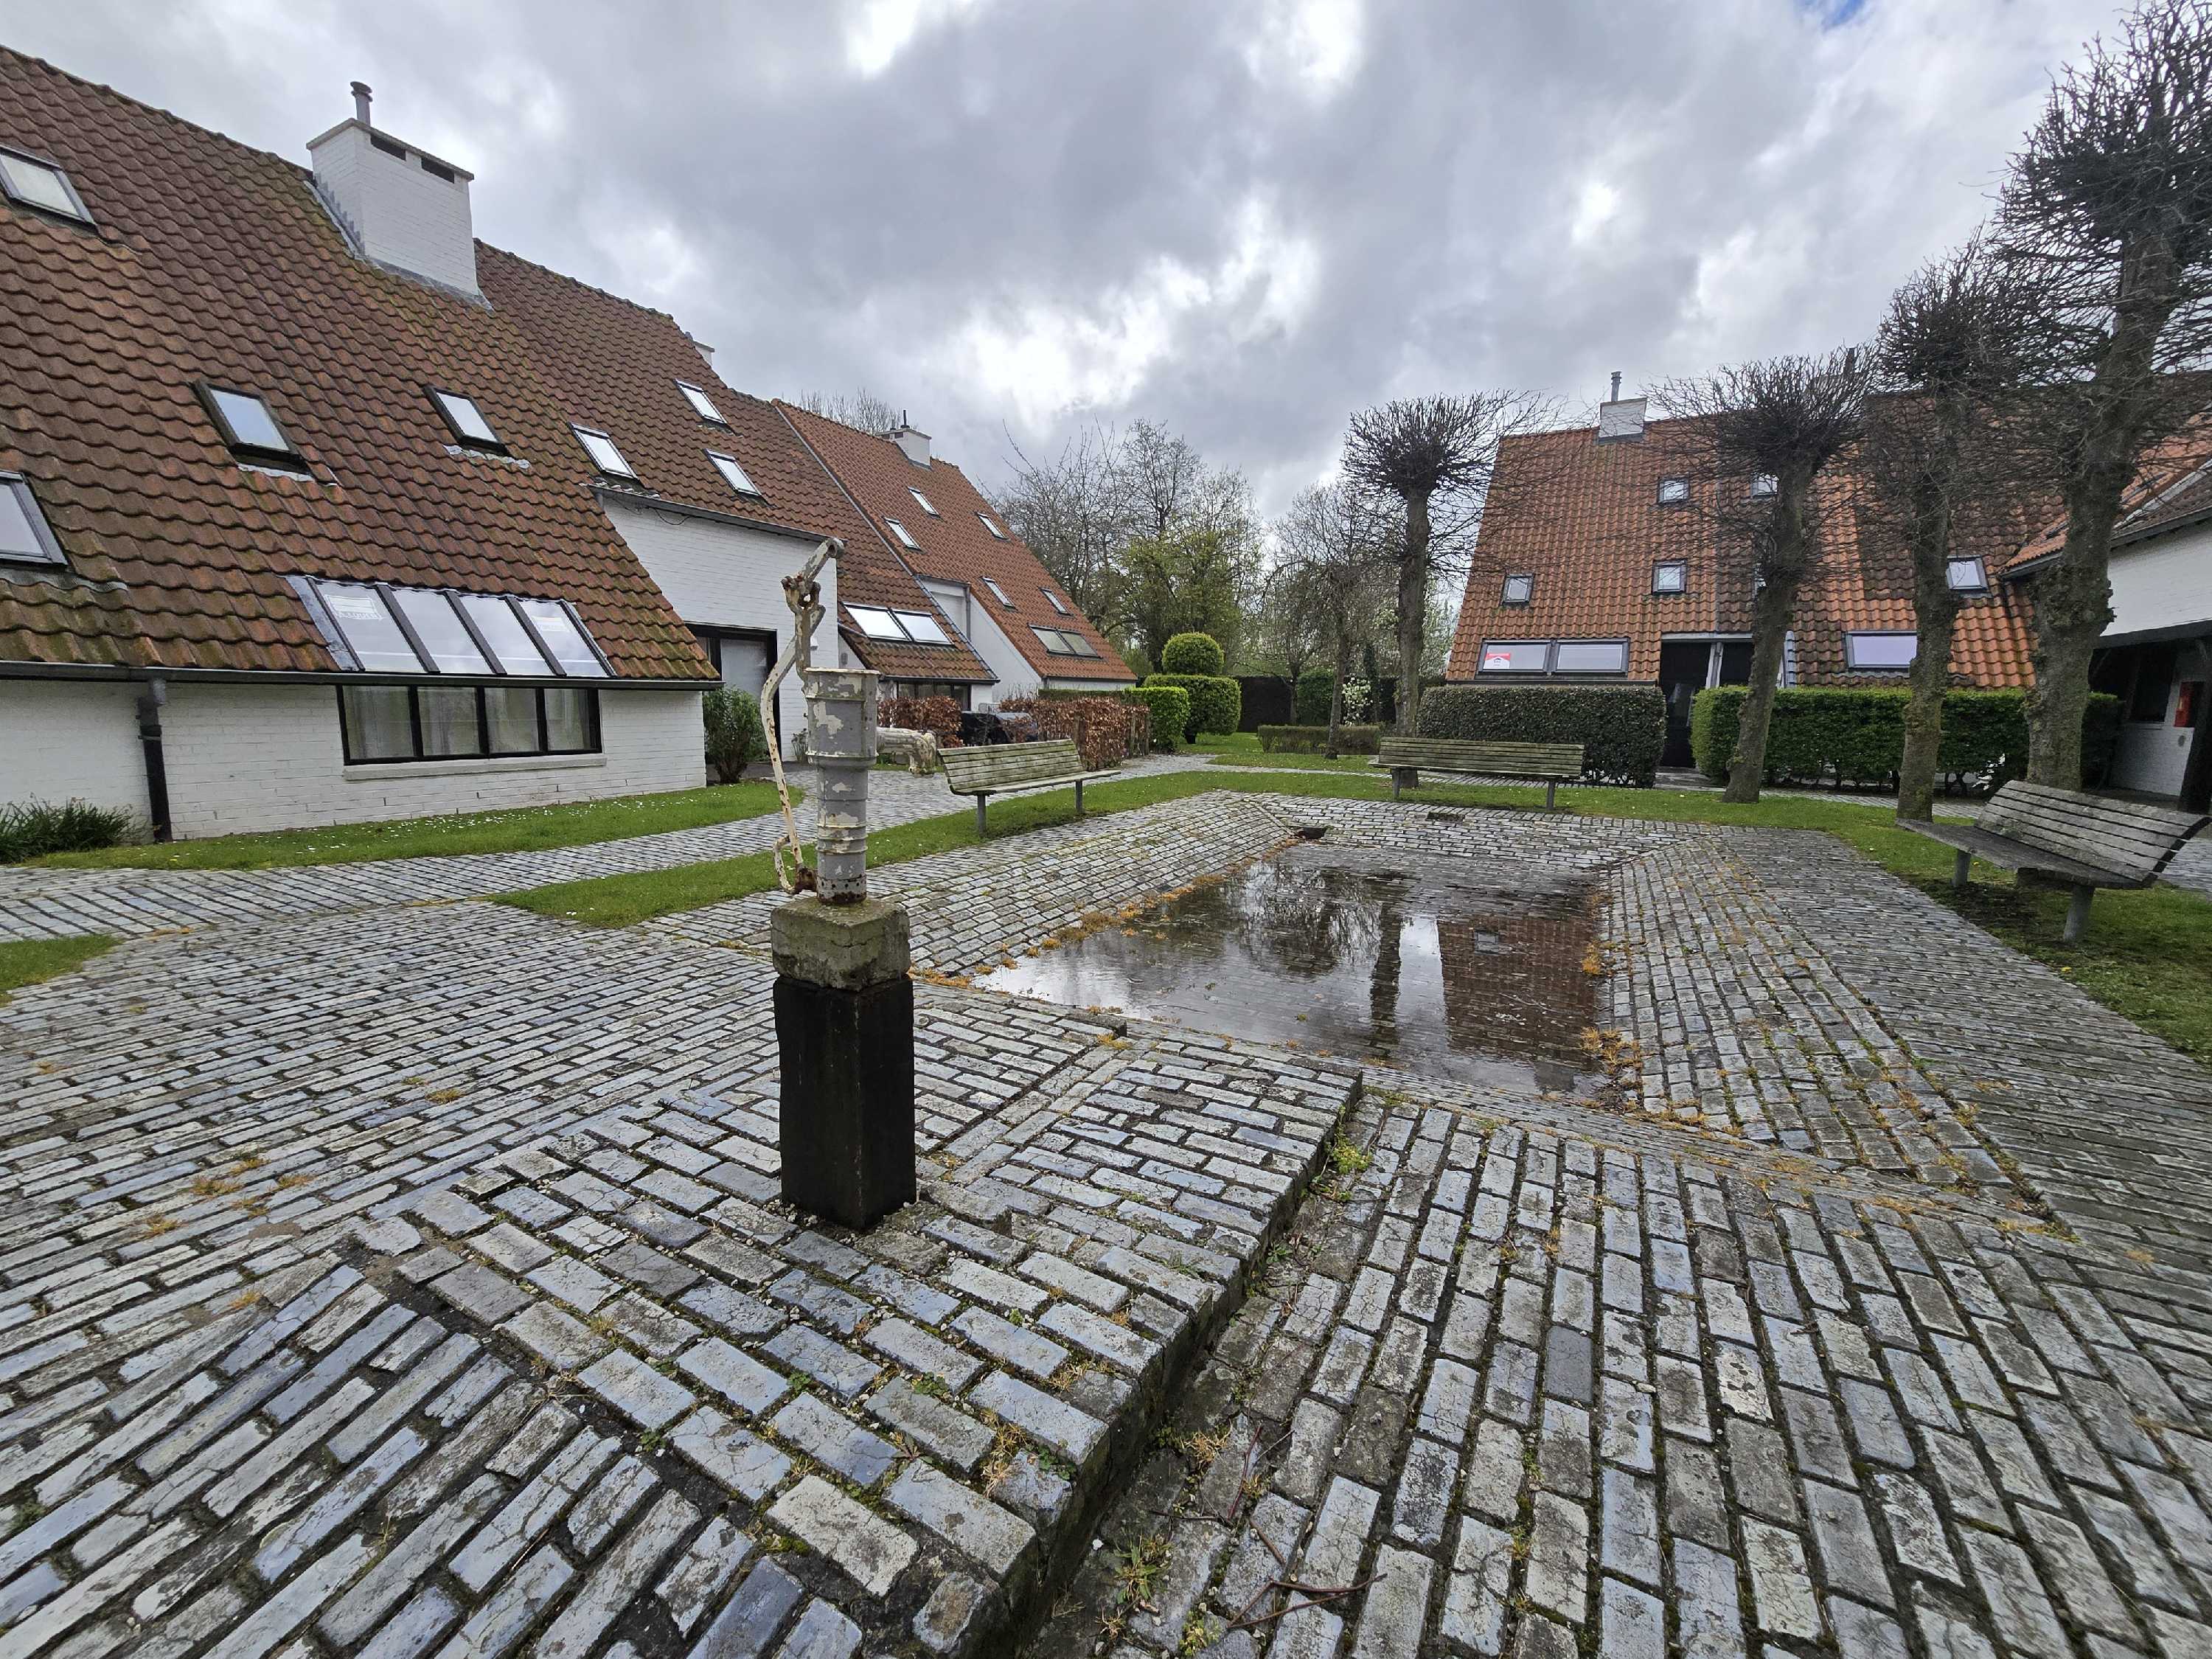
x=989 y=769
x=2013 y=855
x=2085 y=839
x=1562 y=761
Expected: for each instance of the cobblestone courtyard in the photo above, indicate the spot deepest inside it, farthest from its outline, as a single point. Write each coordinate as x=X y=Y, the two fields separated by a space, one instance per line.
x=400 y=1277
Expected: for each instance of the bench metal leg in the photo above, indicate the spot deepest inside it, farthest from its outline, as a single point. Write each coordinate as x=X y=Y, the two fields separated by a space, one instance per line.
x=1960 y=867
x=979 y=799
x=1401 y=778
x=1079 y=798
x=2077 y=913
x=1551 y=794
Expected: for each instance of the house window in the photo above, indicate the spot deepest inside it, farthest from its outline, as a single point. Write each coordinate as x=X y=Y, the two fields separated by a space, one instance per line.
x=900 y=531
x=998 y=592
x=1673 y=491
x=1520 y=589
x=1057 y=603
x=604 y=455
x=1880 y=651
x=420 y=630
x=25 y=536
x=1516 y=656
x=997 y=534
x=876 y=622
x=466 y=420
x=1064 y=642
x=733 y=475
x=563 y=638
x=922 y=502
x=464 y=722
x=1966 y=575
x=1590 y=657
x=922 y=627
x=697 y=398
x=247 y=426
x=34 y=183
x=503 y=633
x=1670 y=576
x=902 y=627
x=1764 y=484
x=378 y=643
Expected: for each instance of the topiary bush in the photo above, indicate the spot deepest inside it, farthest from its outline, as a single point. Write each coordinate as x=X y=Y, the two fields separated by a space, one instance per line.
x=1314 y=740
x=32 y=829
x=1622 y=728
x=1311 y=701
x=1171 y=710
x=734 y=737
x=1856 y=735
x=1217 y=702
x=1192 y=653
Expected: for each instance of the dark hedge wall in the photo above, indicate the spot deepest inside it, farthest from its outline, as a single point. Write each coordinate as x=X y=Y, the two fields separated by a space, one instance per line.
x=1622 y=728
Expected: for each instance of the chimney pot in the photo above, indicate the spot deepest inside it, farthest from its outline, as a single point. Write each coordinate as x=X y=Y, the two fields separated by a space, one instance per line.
x=1614 y=396
x=361 y=98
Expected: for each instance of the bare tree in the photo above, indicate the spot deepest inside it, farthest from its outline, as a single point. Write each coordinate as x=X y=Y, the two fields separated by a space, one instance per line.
x=1938 y=460
x=1339 y=546
x=2106 y=215
x=1072 y=511
x=861 y=408
x=1430 y=453
x=1756 y=438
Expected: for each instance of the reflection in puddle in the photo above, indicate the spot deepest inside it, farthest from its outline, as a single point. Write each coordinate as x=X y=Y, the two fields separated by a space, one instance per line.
x=1448 y=966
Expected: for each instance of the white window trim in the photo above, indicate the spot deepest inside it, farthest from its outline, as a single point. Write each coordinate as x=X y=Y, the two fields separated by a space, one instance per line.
x=901 y=535
x=1682 y=485
x=1683 y=587
x=1851 y=650
x=742 y=483
x=623 y=470
x=48 y=549
x=696 y=396
x=991 y=524
x=922 y=502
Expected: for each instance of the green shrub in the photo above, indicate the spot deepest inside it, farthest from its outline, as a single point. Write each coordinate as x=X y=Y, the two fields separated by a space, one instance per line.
x=1311 y=700
x=1314 y=740
x=32 y=829
x=1622 y=728
x=734 y=737
x=1217 y=702
x=1192 y=653
x=1170 y=707
x=1856 y=735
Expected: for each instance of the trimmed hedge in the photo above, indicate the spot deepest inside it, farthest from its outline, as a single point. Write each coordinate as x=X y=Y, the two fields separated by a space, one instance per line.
x=1312 y=697
x=1622 y=728
x=1855 y=734
x=1217 y=703
x=1192 y=653
x=1170 y=707
x=1314 y=740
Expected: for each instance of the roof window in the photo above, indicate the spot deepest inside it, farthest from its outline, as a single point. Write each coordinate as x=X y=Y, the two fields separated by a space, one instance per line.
x=1590 y=657
x=1064 y=642
x=993 y=527
x=604 y=455
x=1058 y=604
x=902 y=627
x=1881 y=652
x=1764 y=484
x=1966 y=575
x=372 y=628
x=1672 y=492
x=247 y=426
x=997 y=591
x=733 y=475
x=32 y=182
x=1519 y=589
x=922 y=502
x=697 y=398
x=1670 y=576
x=437 y=631
x=466 y=420
x=25 y=536
x=1516 y=656
x=922 y=627
x=905 y=538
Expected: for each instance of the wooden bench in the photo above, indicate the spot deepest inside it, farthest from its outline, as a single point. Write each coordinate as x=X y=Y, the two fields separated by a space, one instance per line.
x=1406 y=758
x=2088 y=841
x=1000 y=769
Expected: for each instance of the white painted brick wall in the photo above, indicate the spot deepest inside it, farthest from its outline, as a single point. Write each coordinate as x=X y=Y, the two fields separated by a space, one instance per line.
x=71 y=740
x=246 y=758
x=403 y=216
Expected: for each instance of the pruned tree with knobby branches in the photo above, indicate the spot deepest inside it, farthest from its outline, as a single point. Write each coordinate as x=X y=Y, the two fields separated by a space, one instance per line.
x=1755 y=440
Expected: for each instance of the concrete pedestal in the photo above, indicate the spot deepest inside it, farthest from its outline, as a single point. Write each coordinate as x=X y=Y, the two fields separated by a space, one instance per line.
x=844 y=1028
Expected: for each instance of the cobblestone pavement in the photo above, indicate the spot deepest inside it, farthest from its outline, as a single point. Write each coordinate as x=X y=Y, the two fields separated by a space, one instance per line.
x=2192 y=865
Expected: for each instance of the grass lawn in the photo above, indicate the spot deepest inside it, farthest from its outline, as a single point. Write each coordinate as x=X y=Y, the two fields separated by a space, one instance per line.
x=2149 y=954
x=518 y=829
x=28 y=961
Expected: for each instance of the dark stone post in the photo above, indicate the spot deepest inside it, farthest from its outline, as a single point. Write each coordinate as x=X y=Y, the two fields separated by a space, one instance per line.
x=844 y=1005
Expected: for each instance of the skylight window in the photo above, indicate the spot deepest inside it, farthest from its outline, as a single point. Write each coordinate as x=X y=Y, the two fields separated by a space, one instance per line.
x=900 y=531
x=604 y=455
x=34 y=183
x=503 y=633
x=922 y=627
x=1590 y=657
x=1673 y=491
x=997 y=591
x=700 y=401
x=1520 y=589
x=733 y=474
x=904 y=627
x=1059 y=643
x=993 y=527
x=375 y=638
x=439 y=630
x=922 y=502
x=1764 y=484
x=25 y=536
x=381 y=630
x=1670 y=576
x=1966 y=575
x=247 y=424
x=1058 y=604
x=876 y=623
x=466 y=420
x=1515 y=656
x=564 y=640
x=1881 y=651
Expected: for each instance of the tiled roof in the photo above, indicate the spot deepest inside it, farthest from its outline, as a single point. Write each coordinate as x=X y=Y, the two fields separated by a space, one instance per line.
x=954 y=546
x=2172 y=488
x=211 y=260
x=1584 y=519
x=616 y=365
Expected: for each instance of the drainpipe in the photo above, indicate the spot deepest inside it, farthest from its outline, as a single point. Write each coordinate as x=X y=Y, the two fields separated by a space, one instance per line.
x=150 y=701
x=2197 y=773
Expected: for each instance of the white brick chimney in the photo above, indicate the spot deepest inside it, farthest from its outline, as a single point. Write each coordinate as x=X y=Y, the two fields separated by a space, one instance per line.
x=403 y=208
x=913 y=440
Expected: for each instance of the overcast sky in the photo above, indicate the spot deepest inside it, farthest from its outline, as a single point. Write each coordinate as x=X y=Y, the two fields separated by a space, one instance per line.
x=1240 y=218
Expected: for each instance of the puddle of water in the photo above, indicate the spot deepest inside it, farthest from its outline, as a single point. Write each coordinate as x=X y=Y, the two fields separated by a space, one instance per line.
x=1448 y=966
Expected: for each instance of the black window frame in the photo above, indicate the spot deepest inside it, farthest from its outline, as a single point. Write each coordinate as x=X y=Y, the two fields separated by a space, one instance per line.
x=1505 y=593
x=1543 y=667
x=1627 y=649
x=1851 y=636
x=1059 y=605
x=289 y=458
x=595 y=744
x=19 y=485
x=1675 y=592
x=494 y=445
x=83 y=218
x=326 y=621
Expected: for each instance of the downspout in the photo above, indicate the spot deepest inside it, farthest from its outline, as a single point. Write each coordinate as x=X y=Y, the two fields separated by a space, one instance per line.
x=150 y=701
x=2196 y=771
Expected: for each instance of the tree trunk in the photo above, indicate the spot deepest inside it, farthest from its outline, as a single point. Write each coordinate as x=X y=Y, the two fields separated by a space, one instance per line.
x=1413 y=612
x=2073 y=604
x=1336 y=691
x=1930 y=680
x=1770 y=615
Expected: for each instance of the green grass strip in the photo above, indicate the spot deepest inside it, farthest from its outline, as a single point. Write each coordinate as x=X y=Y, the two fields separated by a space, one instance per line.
x=26 y=962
